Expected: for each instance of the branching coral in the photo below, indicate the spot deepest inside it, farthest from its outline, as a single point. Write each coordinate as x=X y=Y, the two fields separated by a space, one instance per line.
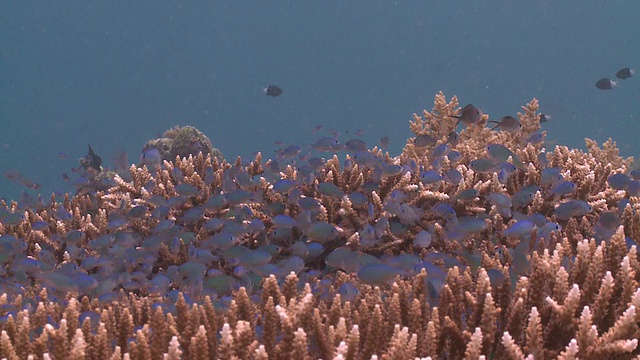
x=428 y=254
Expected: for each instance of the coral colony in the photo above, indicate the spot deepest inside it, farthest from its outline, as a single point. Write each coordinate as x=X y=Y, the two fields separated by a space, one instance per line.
x=473 y=243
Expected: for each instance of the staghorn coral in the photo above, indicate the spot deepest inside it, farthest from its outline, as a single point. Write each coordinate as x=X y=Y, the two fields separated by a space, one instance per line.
x=214 y=259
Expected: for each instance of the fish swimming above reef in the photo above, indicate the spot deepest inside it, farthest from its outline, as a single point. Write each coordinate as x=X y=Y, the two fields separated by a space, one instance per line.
x=470 y=115
x=545 y=117
x=507 y=123
x=16 y=177
x=606 y=84
x=625 y=73
x=272 y=90
x=91 y=160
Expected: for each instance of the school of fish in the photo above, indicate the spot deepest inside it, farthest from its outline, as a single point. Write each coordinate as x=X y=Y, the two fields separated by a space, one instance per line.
x=205 y=227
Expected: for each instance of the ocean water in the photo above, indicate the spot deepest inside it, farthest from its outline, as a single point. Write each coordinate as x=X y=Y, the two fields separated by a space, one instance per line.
x=116 y=74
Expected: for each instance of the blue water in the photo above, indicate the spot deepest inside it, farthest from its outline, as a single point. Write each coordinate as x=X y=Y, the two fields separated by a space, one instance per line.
x=115 y=74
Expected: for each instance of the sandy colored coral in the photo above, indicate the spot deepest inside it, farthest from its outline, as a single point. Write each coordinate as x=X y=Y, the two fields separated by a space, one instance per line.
x=566 y=296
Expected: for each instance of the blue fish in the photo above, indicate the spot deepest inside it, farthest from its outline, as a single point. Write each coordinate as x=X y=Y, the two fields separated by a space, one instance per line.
x=356 y=145
x=619 y=181
x=482 y=165
x=430 y=177
x=551 y=176
x=348 y=291
x=454 y=156
x=327 y=144
x=422 y=239
x=322 y=232
x=452 y=176
x=424 y=140
x=562 y=189
x=572 y=208
x=378 y=274
x=520 y=229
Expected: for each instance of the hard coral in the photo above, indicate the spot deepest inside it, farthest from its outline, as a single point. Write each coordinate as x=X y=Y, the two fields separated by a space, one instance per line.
x=181 y=142
x=205 y=258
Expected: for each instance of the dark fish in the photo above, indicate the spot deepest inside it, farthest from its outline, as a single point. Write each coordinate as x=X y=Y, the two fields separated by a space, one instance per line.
x=12 y=174
x=91 y=160
x=121 y=162
x=272 y=90
x=424 y=140
x=470 y=115
x=625 y=73
x=606 y=84
x=453 y=138
x=16 y=177
x=356 y=145
x=545 y=117
x=384 y=142
x=508 y=124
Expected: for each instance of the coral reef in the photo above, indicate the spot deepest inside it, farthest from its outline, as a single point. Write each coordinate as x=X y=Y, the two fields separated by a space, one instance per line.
x=471 y=244
x=182 y=142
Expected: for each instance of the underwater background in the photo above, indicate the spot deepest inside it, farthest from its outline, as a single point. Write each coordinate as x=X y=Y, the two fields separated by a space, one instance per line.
x=116 y=74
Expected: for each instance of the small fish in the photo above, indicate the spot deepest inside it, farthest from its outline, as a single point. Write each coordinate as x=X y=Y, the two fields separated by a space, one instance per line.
x=289 y=151
x=453 y=138
x=551 y=176
x=470 y=115
x=424 y=140
x=500 y=153
x=607 y=225
x=606 y=84
x=454 y=156
x=92 y=160
x=523 y=197
x=348 y=291
x=619 y=181
x=467 y=194
x=625 y=73
x=409 y=214
x=508 y=124
x=422 y=239
x=391 y=170
x=445 y=210
x=121 y=162
x=151 y=157
x=440 y=151
x=330 y=190
x=545 y=117
x=272 y=91
x=384 y=142
x=377 y=274
x=469 y=224
x=499 y=200
x=327 y=144
x=482 y=165
x=536 y=138
x=357 y=198
x=572 y=208
x=452 y=176
x=520 y=229
x=323 y=232
x=356 y=145
x=430 y=177
x=562 y=189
